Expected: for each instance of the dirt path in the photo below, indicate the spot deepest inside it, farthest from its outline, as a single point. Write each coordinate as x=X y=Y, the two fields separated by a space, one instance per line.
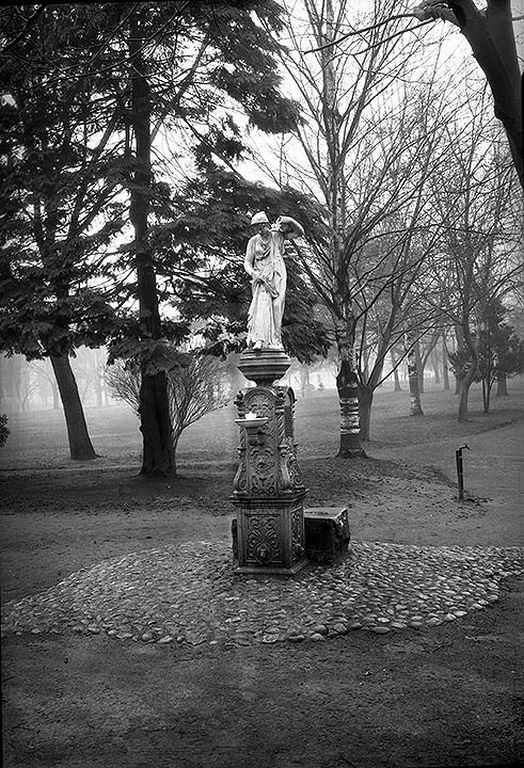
x=445 y=698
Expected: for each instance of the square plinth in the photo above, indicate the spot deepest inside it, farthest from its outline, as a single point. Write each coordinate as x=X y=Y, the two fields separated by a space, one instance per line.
x=327 y=533
x=268 y=536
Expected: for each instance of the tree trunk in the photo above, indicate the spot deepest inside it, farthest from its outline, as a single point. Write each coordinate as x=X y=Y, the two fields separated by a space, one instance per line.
x=365 y=401
x=415 y=408
x=490 y=34
x=155 y=426
x=80 y=445
x=435 y=363
x=445 y=366
x=420 y=367
x=347 y=387
x=470 y=374
x=459 y=345
x=155 y=423
x=396 y=378
x=502 y=386
x=486 y=395
x=465 y=384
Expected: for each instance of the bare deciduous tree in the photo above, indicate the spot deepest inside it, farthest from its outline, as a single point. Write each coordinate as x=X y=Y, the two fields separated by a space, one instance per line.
x=195 y=388
x=369 y=142
x=480 y=260
x=490 y=34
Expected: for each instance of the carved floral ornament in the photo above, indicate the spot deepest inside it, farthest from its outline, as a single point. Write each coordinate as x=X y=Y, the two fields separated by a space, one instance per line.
x=263 y=541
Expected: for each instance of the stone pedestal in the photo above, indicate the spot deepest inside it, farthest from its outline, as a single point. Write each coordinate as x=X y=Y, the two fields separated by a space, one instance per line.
x=268 y=490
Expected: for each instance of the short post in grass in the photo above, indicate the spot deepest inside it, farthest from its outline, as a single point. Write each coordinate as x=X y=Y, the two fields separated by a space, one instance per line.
x=460 y=470
x=268 y=489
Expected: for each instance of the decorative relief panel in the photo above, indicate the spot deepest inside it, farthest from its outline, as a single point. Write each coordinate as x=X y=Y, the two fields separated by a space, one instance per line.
x=285 y=484
x=295 y=473
x=288 y=422
x=263 y=538
x=240 y=481
x=261 y=471
x=268 y=465
x=260 y=401
x=297 y=532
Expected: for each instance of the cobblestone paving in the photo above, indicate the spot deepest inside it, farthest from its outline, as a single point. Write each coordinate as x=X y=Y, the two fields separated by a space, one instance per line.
x=189 y=594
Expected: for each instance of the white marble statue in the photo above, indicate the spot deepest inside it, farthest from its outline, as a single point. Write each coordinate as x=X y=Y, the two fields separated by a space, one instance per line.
x=265 y=263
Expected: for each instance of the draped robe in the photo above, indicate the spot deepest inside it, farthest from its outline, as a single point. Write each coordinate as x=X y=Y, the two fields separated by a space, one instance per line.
x=267 y=305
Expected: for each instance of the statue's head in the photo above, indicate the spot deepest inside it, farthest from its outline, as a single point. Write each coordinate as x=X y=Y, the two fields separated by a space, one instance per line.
x=260 y=222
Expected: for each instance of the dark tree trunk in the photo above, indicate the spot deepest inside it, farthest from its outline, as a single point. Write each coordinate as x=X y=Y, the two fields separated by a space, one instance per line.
x=79 y=441
x=486 y=394
x=365 y=402
x=155 y=423
x=490 y=34
x=502 y=386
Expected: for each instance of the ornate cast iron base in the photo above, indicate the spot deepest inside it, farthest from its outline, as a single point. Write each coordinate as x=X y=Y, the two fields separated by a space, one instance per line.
x=268 y=491
x=270 y=536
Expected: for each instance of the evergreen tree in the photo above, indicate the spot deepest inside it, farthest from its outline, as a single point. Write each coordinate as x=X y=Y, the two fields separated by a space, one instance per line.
x=59 y=211
x=96 y=85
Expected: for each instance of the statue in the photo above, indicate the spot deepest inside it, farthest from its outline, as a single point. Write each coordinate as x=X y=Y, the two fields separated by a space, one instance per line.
x=264 y=262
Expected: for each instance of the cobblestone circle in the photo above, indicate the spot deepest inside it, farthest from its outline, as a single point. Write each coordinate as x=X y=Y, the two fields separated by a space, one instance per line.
x=189 y=594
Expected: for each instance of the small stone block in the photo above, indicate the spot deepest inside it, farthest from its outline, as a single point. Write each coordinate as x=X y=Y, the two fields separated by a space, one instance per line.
x=327 y=533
